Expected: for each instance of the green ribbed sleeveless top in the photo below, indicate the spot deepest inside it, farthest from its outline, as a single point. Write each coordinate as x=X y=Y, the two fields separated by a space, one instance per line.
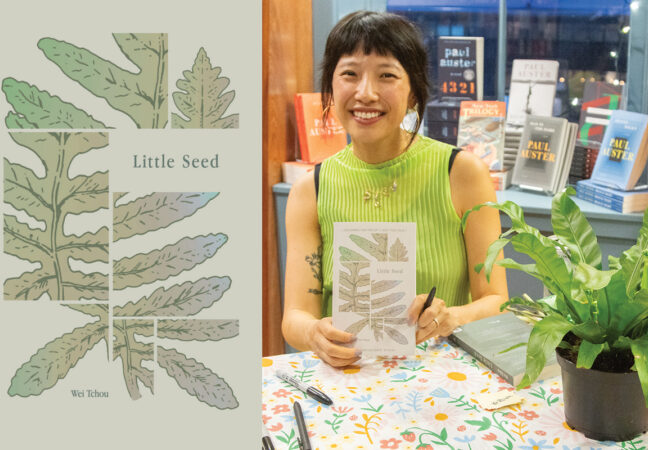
x=422 y=196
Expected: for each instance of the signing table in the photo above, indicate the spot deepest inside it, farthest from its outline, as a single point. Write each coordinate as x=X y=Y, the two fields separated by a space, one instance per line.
x=424 y=402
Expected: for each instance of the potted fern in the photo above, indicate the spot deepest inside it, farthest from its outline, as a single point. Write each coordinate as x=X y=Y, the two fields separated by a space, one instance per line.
x=596 y=320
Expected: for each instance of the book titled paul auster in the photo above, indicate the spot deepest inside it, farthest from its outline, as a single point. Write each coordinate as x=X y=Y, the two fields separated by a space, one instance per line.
x=623 y=152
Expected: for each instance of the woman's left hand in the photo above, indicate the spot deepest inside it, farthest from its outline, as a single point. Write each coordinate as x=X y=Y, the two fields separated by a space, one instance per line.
x=437 y=320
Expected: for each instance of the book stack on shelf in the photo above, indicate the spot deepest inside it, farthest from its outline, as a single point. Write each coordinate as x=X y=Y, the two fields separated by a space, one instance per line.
x=317 y=141
x=545 y=153
x=481 y=131
x=599 y=100
x=532 y=91
x=620 y=162
x=460 y=75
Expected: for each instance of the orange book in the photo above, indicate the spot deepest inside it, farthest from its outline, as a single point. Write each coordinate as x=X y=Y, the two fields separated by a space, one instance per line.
x=316 y=141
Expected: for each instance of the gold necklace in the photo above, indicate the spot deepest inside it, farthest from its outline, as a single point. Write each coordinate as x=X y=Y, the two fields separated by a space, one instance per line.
x=377 y=195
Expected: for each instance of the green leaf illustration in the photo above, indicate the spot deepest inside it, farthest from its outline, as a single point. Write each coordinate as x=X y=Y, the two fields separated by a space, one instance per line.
x=39 y=109
x=132 y=353
x=350 y=255
x=196 y=379
x=377 y=249
x=169 y=261
x=351 y=286
x=52 y=362
x=202 y=98
x=186 y=299
x=155 y=211
x=49 y=199
x=198 y=330
x=142 y=96
x=398 y=251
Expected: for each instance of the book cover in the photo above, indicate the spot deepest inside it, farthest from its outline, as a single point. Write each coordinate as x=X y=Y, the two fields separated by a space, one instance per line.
x=532 y=89
x=316 y=141
x=374 y=283
x=540 y=155
x=599 y=100
x=485 y=339
x=623 y=151
x=438 y=111
x=481 y=131
x=460 y=67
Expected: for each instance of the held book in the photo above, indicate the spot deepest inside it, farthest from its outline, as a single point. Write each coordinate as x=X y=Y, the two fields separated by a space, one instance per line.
x=316 y=141
x=599 y=100
x=487 y=338
x=532 y=90
x=460 y=67
x=623 y=152
x=374 y=282
x=481 y=131
x=544 y=155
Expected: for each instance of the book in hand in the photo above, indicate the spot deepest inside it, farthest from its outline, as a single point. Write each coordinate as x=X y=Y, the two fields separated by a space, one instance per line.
x=614 y=199
x=599 y=100
x=374 y=282
x=622 y=156
x=544 y=156
x=486 y=339
x=460 y=67
x=481 y=131
x=316 y=141
x=532 y=90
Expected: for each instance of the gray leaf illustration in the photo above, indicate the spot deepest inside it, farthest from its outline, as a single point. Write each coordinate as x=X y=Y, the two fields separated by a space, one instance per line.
x=196 y=379
x=155 y=211
x=377 y=249
x=185 y=299
x=133 y=352
x=198 y=330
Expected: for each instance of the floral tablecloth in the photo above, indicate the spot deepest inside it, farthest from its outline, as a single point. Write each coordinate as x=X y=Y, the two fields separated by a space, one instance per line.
x=424 y=402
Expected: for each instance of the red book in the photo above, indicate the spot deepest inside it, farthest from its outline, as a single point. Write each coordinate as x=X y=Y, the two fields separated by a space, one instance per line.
x=316 y=141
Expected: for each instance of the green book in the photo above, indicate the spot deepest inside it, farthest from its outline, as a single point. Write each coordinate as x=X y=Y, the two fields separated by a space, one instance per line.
x=486 y=338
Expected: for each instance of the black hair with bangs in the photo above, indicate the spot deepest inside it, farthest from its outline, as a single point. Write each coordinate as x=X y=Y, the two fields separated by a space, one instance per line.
x=385 y=34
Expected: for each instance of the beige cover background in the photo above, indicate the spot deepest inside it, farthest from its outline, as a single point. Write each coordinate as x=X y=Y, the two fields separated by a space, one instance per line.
x=230 y=32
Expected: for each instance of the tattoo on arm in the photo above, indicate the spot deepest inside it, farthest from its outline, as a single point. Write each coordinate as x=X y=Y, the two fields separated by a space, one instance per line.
x=315 y=262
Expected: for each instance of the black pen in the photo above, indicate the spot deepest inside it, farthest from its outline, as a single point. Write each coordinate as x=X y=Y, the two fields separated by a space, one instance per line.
x=311 y=391
x=428 y=300
x=304 y=442
x=266 y=440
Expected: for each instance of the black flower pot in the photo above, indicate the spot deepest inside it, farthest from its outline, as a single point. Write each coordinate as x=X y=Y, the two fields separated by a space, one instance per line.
x=605 y=406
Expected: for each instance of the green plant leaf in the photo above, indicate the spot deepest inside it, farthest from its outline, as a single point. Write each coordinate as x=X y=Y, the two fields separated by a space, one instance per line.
x=545 y=337
x=530 y=269
x=573 y=229
x=592 y=278
x=155 y=211
x=197 y=330
x=640 y=351
x=196 y=379
x=186 y=299
x=133 y=353
x=53 y=362
x=587 y=354
x=39 y=109
x=161 y=264
x=633 y=260
x=491 y=255
x=202 y=97
x=143 y=96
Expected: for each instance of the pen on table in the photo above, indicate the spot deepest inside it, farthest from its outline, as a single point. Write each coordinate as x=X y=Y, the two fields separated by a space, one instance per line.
x=428 y=300
x=266 y=440
x=311 y=391
x=304 y=441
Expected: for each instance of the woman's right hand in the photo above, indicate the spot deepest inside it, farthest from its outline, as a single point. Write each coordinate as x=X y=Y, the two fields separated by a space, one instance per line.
x=324 y=340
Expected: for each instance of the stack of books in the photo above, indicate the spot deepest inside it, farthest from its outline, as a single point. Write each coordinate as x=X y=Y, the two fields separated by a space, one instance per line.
x=620 y=162
x=442 y=121
x=317 y=141
x=481 y=131
x=545 y=154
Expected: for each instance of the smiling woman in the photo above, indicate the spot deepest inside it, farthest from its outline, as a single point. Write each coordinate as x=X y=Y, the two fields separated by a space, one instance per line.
x=374 y=72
